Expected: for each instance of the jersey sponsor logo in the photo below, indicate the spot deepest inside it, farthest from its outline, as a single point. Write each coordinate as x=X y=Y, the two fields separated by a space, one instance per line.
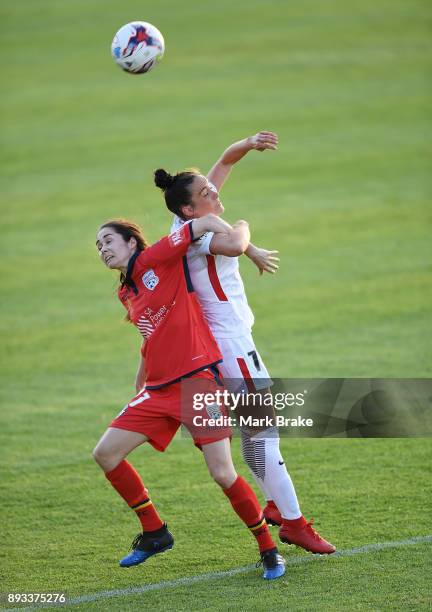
x=146 y=327
x=150 y=280
x=176 y=237
x=157 y=317
x=148 y=323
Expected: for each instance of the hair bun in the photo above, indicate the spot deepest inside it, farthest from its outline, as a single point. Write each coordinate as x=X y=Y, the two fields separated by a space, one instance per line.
x=163 y=179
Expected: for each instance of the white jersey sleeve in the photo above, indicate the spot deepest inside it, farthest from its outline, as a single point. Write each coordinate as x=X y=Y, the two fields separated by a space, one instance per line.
x=201 y=246
x=176 y=223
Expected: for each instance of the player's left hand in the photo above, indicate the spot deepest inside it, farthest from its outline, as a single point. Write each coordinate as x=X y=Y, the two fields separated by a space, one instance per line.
x=264 y=140
x=265 y=261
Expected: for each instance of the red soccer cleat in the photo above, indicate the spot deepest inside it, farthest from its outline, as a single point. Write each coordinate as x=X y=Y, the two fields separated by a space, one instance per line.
x=305 y=536
x=272 y=514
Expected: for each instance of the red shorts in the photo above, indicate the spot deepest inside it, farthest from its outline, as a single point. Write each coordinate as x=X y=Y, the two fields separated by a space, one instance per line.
x=158 y=413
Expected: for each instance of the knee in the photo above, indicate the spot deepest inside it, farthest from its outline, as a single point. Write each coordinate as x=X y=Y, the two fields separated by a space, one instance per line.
x=223 y=475
x=104 y=457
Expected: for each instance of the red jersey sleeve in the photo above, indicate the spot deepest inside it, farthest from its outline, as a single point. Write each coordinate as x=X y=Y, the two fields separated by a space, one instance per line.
x=169 y=247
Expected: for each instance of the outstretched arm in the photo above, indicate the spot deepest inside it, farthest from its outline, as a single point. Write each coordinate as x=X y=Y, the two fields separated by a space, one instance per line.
x=227 y=240
x=222 y=168
x=238 y=242
x=231 y=244
x=234 y=241
x=209 y=223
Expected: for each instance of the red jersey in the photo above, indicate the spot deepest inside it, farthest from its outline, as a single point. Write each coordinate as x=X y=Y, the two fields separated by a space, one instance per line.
x=161 y=302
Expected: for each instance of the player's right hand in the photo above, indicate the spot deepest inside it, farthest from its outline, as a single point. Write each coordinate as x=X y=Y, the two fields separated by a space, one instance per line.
x=265 y=140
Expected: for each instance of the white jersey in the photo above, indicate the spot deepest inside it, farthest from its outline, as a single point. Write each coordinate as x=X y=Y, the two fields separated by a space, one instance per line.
x=219 y=288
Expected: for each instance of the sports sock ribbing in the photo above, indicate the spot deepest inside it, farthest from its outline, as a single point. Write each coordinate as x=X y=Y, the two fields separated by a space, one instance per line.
x=259 y=482
x=245 y=504
x=263 y=457
x=127 y=482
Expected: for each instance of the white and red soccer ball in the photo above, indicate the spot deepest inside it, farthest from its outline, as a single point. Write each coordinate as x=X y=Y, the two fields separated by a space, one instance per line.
x=137 y=47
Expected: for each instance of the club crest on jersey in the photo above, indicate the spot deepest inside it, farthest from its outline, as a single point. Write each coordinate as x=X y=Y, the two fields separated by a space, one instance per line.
x=150 y=280
x=213 y=411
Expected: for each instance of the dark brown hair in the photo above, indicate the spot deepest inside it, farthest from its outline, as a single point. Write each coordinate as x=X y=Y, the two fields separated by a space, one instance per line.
x=127 y=229
x=176 y=188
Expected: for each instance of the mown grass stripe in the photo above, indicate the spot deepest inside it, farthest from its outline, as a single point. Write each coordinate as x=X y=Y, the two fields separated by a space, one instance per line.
x=188 y=580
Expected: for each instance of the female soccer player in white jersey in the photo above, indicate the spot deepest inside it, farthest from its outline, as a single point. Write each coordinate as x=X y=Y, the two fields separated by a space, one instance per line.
x=214 y=270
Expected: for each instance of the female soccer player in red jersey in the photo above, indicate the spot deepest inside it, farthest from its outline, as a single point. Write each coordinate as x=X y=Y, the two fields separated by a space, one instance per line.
x=215 y=275
x=178 y=346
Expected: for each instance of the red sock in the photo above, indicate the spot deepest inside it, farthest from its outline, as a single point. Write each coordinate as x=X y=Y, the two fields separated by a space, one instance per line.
x=127 y=482
x=297 y=523
x=246 y=505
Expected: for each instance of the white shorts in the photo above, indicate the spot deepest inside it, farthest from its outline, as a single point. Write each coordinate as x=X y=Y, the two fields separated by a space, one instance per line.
x=242 y=367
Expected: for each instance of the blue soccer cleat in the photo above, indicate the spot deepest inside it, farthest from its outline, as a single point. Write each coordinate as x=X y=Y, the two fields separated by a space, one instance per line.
x=273 y=563
x=146 y=545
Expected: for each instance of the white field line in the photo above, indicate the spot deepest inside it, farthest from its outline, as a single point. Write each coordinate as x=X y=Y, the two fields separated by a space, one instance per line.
x=189 y=580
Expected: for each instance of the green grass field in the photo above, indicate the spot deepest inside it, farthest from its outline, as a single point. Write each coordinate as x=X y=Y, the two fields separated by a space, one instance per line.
x=345 y=200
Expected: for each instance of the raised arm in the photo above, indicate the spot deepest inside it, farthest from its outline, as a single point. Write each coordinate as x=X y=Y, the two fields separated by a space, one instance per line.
x=266 y=261
x=235 y=152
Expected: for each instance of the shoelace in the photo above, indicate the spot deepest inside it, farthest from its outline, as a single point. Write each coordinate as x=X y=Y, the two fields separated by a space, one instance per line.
x=312 y=531
x=261 y=560
x=135 y=541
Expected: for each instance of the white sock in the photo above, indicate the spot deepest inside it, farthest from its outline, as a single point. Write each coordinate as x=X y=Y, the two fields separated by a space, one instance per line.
x=258 y=480
x=263 y=457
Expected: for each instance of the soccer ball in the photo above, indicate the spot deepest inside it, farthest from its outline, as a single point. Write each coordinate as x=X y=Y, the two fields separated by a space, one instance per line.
x=137 y=47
